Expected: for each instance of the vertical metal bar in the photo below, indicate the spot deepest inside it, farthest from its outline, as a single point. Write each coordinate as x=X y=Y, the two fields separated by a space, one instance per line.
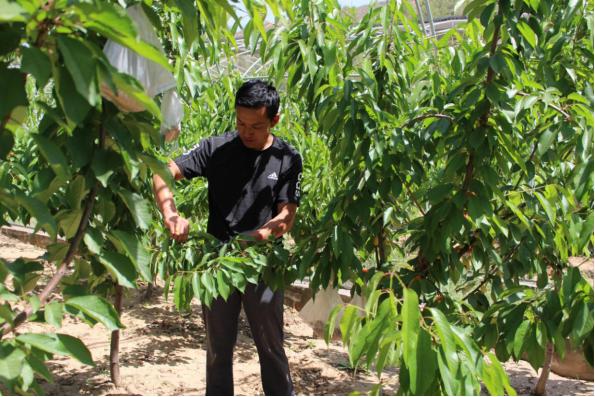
x=420 y=16
x=431 y=20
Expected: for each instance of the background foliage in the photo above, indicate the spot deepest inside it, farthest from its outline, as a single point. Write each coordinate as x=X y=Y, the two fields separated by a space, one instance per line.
x=448 y=183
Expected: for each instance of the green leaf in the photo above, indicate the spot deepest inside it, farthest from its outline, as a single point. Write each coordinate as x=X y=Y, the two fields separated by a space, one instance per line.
x=93 y=240
x=6 y=311
x=54 y=156
x=384 y=351
x=209 y=283
x=551 y=213
x=454 y=164
x=112 y=22
x=329 y=326
x=223 y=285
x=426 y=364
x=120 y=266
x=56 y=252
x=10 y=37
x=139 y=208
x=158 y=168
x=180 y=285
x=36 y=63
x=97 y=308
x=410 y=317
x=11 y=362
x=40 y=212
x=104 y=165
x=12 y=11
x=519 y=214
x=6 y=143
x=132 y=88
x=582 y=323
x=189 y=20
x=519 y=338
x=75 y=107
x=545 y=141
x=348 y=321
x=69 y=221
x=75 y=192
x=79 y=147
x=477 y=208
x=133 y=247
x=527 y=33
x=59 y=344
x=80 y=62
x=11 y=81
x=196 y=286
x=39 y=367
x=447 y=339
x=54 y=313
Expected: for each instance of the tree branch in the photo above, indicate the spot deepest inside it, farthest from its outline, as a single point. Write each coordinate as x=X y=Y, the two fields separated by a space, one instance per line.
x=566 y=115
x=427 y=116
x=55 y=280
x=492 y=270
x=74 y=244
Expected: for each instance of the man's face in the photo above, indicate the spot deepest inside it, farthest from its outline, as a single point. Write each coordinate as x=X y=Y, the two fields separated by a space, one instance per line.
x=254 y=127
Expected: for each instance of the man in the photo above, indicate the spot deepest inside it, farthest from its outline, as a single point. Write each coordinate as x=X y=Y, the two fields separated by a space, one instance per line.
x=254 y=189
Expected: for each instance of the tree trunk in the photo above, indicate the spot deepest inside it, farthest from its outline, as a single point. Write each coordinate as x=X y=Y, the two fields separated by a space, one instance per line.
x=148 y=294
x=114 y=354
x=545 y=371
x=381 y=248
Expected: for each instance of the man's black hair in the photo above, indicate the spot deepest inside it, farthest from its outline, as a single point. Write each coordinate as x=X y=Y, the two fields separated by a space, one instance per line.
x=256 y=93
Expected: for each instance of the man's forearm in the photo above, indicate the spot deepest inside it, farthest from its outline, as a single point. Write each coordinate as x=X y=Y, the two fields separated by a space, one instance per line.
x=279 y=225
x=164 y=196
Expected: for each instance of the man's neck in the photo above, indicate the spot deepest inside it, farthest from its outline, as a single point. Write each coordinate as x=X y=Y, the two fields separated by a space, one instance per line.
x=269 y=142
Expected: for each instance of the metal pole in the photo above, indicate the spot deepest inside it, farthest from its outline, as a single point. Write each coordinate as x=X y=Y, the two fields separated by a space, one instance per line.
x=420 y=17
x=432 y=29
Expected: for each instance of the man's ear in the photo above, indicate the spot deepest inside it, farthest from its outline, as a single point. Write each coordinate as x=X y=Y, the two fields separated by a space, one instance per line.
x=275 y=120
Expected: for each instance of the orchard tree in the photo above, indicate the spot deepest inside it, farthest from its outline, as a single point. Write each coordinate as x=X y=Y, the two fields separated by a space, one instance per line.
x=449 y=179
x=77 y=167
x=475 y=150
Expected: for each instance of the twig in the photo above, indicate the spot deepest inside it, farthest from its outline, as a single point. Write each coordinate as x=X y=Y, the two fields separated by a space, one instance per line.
x=492 y=270
x=566 y=115
x=411 y=196
x=427 y=116
x=486 y=278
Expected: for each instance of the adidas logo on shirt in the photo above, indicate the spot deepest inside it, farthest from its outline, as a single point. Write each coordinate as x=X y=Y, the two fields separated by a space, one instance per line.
x=273 y=176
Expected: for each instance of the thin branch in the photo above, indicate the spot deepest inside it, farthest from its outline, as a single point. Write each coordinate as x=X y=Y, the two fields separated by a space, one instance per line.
x=428 y=116
x=413 y=198
x=62 y=269
x=486 y=278
x=566 y=115
x=492 y=271
x=469 y=172
x=55 y=280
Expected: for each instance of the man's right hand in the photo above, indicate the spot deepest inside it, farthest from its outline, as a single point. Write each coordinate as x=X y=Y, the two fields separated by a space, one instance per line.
x=178 y=227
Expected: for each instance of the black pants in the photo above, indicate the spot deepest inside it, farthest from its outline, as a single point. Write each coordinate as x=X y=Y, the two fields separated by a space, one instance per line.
x=264 y=309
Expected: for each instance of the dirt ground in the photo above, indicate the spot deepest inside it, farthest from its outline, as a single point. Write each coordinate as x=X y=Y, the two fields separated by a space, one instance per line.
x=163 y=353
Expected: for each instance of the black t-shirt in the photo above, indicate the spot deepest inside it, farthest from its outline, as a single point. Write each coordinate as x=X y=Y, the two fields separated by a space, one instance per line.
x=245 y=185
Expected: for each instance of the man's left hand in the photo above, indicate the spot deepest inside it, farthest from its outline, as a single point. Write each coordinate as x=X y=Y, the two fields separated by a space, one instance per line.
x=261 y=234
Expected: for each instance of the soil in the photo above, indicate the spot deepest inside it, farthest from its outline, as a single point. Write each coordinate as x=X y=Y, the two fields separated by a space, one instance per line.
x=163 y=353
